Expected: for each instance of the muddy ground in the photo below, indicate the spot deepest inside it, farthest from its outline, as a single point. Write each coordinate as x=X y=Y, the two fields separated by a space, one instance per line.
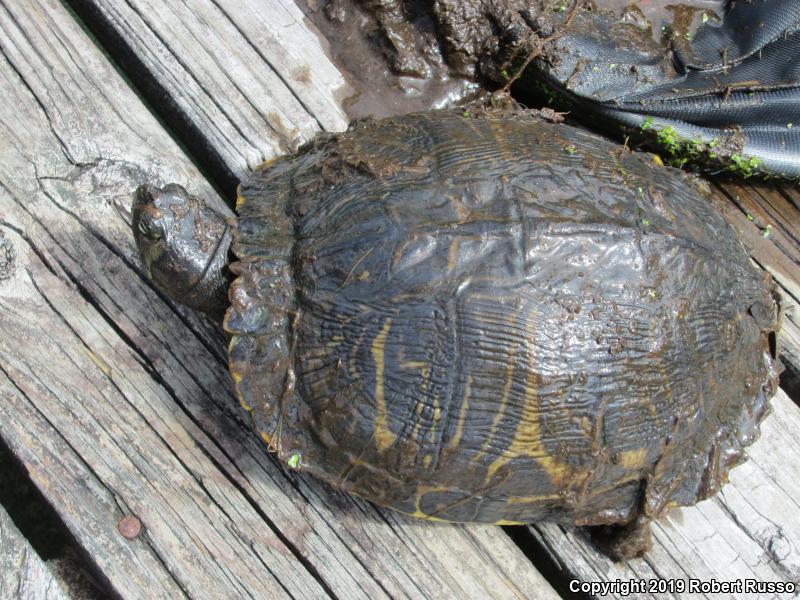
x=408 y=55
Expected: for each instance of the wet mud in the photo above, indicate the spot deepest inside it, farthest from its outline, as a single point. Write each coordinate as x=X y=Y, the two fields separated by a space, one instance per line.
x=395 y=66
x=473 y=250
x=410 y=55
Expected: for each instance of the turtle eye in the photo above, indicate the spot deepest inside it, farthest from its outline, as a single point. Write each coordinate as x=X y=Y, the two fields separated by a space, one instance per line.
x=147 y=231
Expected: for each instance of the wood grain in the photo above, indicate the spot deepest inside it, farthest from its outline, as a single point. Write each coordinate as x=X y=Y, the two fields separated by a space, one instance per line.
x=767 y=218
x=118 y=403
x=749 y=530
x=253 y=79
x=22 y=573
x=253 y=75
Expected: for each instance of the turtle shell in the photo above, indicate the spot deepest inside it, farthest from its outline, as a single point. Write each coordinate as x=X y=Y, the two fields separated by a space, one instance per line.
x=495 y=318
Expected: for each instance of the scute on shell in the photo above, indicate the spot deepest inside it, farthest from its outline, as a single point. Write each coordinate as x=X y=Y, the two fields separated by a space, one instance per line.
x=494 y=318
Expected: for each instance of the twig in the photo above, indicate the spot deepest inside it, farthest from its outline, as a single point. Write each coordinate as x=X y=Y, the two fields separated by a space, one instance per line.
x=540 y=47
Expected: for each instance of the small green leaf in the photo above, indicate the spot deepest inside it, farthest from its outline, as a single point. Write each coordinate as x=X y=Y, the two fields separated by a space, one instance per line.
x=789 y=125
x=647 y=123
x=570 y=149
x=646 y=222
x=766 y=231
x=465 y=114
x=652 y=293
x=294 y=461
x=669 y=140
x=704 y=18
x=750 y=217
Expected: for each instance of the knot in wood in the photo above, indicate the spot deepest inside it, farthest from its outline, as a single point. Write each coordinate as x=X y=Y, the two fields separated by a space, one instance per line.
x=7 y=257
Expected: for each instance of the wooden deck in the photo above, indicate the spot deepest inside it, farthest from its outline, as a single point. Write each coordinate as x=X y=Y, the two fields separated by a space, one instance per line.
x=118 y=403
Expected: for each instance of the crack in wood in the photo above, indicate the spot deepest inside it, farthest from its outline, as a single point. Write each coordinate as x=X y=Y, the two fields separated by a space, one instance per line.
x=162 y=382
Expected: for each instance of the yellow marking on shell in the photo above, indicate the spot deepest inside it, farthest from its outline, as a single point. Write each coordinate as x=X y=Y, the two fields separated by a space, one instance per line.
x=633 y=459
x=418 y=512
x=240 y=200
x=237 y=379
x=527 y=440
x=657 y=160
x=462 y=415
x=501 y=410
x=352 y=361
x=332 y=344
x=452 y=254
x=413 y=364
x=425 y=369
x=266 y=164
x=265 y=436
x=437 y=416
x=504 y=522
x=353 y=464
x=383 y=436
x=534 y=498
x=236 y=376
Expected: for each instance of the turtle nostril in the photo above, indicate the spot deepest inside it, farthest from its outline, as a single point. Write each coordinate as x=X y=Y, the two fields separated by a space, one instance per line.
x=146 y=193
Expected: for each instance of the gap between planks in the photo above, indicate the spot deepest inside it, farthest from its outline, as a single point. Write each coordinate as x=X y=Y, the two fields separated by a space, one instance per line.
x=552 y=535
x=22 y=573
x=250 y=80
x=118 y=403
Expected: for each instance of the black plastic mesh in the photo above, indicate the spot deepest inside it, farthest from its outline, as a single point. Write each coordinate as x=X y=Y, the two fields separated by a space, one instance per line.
x=740 y=74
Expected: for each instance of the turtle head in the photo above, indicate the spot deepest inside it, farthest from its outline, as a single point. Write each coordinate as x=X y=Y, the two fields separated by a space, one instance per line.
x=183 y=244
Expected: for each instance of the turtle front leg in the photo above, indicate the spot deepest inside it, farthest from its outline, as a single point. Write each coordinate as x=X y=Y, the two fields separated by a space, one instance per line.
x=621 y=542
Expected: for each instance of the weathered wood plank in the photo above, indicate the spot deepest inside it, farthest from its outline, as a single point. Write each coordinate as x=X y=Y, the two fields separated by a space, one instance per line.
x=218 y=63
x=22 y=573
x=252 y=74
x=767 y=218
x=749 y=527
x=749 y=530
x=120 y=404
x=73 y=408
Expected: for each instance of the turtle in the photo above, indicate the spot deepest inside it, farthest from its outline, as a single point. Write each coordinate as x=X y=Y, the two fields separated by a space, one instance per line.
x=482 y=316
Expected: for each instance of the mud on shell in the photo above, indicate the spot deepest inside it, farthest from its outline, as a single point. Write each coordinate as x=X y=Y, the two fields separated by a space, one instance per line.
x=492 y=318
